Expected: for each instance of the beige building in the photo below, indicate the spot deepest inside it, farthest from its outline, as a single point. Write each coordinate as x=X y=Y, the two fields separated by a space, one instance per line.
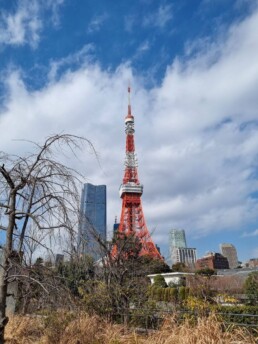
x=252 y=263
x=229 y=251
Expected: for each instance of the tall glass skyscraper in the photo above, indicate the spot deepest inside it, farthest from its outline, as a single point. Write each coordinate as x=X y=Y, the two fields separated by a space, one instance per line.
x=177 y=238
x=93 y=218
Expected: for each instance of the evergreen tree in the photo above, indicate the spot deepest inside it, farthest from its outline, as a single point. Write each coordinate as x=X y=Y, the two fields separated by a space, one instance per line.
x=159 y=281
x=251 y=287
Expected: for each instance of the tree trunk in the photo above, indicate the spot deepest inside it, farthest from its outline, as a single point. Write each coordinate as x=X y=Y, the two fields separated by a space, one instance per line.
x=3 y=297
x=5 y=266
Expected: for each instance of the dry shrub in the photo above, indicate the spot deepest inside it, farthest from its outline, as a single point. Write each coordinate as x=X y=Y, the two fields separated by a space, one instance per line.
x=92 y=330
x=80 y=328
x=55 y=325
x=206 y=331
x=24 y=330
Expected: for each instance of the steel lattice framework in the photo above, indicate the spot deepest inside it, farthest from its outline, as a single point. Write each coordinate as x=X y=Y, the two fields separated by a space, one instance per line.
x=132 y=220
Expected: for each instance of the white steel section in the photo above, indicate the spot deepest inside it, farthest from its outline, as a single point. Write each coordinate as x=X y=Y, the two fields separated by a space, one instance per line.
x=130 y=188
x=129 y=128
x=129 y=119
x=131 y=160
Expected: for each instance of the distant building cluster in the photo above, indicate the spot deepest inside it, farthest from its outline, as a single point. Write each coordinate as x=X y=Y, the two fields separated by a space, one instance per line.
x=93 y=224
x=225 y=259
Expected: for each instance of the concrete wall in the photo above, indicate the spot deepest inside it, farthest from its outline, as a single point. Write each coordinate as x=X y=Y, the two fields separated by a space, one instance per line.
x=171 y=277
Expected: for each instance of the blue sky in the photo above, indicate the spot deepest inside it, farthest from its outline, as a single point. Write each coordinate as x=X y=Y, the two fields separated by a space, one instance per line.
x=193 y=68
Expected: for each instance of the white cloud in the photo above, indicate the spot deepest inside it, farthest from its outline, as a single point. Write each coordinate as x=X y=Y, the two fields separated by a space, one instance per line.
x=54 y=6
x=250 y=234
x=73 y=60
x=97 y=22
x=141 y=50
x=25 y=24
x=196 y=133
x=160 y=18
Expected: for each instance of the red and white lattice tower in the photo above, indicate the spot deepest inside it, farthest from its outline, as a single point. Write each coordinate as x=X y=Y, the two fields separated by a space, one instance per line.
x=132 y=220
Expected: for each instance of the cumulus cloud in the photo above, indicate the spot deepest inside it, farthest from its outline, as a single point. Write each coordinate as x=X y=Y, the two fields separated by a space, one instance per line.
x=196 y=133
x=80 y=57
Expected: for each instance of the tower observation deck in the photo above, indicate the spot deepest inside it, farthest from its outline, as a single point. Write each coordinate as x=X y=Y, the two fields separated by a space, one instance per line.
x=132 y=220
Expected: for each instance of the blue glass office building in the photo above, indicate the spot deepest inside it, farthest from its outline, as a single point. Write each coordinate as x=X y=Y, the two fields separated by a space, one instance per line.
x=93 y=218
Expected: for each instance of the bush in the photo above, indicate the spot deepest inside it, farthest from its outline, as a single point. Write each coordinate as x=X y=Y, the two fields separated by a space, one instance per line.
x=173 y=293
x=159 y=281
x=206 y=272
x=166 y=295
x=251 y=287
x=181 y=293
x=237 y=314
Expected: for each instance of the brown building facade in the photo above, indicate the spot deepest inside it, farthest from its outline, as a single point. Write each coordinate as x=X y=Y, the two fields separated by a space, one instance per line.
x=212 y=261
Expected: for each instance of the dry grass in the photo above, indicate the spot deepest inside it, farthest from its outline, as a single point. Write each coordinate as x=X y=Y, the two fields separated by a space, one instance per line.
x=207 y=331
x=68 y=328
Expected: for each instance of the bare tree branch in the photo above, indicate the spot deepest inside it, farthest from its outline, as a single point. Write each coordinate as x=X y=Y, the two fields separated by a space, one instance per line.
x=37 y=190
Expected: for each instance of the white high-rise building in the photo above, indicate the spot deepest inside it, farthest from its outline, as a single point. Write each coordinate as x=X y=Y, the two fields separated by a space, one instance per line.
x=179 y=251
x=185 y=255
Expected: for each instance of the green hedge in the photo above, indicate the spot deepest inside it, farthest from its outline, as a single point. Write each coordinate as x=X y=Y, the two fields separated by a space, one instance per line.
x=238 y=314
x=168 y=294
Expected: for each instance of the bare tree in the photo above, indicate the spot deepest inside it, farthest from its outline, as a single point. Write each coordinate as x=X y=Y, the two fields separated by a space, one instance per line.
x=36 y=188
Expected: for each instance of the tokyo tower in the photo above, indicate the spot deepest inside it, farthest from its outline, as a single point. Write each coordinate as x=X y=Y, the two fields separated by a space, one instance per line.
x=132 y=220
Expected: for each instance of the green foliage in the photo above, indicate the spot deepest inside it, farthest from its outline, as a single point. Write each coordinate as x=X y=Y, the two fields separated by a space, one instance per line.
x=237 y=314
x=194 y=303
x=96 y=298
x=173 y=294
x=206 y=272
x=228 y=314
x=39 y=261
x=251 y=287
x=154 y=266
x=75 y=272
x=159 y=281
x=167 y=295
x=160 y=295
x=181 y=293
x=179 y=267
x=163 y=294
